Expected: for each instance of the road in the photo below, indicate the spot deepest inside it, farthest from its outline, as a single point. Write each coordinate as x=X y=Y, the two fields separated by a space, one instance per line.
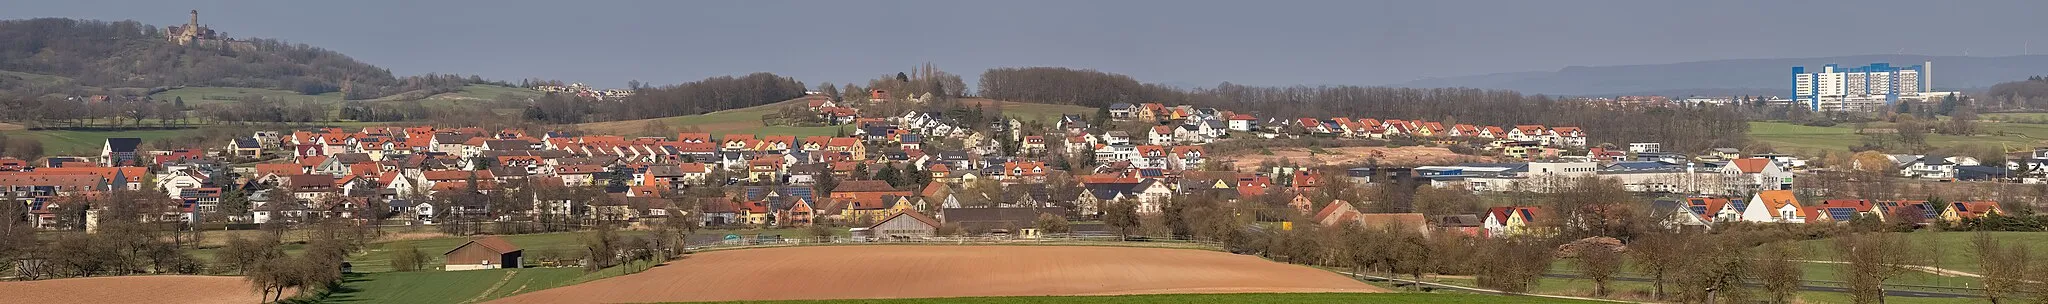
x=1887 y=292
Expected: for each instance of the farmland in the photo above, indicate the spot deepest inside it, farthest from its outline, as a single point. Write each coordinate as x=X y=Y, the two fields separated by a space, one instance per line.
x=869 y=272
x=131 y=289
x=1274 y=298
x=1811 y=140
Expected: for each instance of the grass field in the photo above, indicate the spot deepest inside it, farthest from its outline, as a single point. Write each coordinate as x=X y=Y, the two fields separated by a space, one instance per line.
x=2016 y=117
x=198 y=96
x=67 y=142
x=376 y=257
x=433 y=286
x=1637 y=291
x=734 y=121
x=1809 y=140
x=32 y=78
x=1277 y=298
x=1947 y=250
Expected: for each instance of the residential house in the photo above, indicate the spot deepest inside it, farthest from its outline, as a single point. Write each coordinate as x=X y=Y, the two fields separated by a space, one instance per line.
x=1748 y=175
x=1959 y=211
x=1774 y=206
x=120 y=152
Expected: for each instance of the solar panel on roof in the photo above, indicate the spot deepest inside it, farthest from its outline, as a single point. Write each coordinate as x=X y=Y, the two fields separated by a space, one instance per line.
x=754 y=193
x=1699 y=209
x=1962 y=208
x=801 y=192
x=1841 y=213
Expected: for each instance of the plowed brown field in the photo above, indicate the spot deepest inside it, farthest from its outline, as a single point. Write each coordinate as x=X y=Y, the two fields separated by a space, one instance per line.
x=131 y=289
x=869 y=272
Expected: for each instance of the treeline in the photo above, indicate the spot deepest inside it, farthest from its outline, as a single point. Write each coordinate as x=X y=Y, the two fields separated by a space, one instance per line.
x=131 y=54
x=1683 y=128
x=2026 y=94
x=696 y=97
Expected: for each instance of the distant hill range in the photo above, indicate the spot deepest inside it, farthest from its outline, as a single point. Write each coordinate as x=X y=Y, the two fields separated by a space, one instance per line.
x=57 y=56
x=1770 y=77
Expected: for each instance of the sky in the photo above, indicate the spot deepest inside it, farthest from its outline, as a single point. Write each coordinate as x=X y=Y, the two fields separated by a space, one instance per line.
x=1182 y=42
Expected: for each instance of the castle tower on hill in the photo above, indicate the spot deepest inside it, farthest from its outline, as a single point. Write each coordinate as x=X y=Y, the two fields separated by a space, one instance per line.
x=190 y=32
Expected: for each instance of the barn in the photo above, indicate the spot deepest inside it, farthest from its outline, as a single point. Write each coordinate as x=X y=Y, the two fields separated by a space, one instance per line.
x=485 y=252
x=906 y=225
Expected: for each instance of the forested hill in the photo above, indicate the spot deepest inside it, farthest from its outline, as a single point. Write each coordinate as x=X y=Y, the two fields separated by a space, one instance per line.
x=130 y=54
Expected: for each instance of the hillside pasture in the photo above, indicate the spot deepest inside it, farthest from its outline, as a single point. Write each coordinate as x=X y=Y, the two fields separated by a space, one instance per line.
x=734 y=121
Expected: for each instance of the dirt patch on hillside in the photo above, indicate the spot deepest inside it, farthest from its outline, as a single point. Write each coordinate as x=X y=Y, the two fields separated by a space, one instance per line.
x=875 y=272
x=131 y=289
x=11 y=127
x=1403 y=156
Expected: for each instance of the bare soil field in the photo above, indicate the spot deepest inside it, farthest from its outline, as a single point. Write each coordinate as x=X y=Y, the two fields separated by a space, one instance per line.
x=131 y=289
x=877 y=272
x=11 y=127
x=1403 y=156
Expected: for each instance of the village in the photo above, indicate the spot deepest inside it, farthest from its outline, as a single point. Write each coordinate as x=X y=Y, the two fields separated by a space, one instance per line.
x=922 y=164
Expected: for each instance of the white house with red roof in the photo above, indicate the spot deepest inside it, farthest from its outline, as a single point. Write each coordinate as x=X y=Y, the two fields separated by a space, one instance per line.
x=1749 y=175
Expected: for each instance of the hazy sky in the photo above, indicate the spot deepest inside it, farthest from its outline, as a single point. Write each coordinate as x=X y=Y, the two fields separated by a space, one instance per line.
x=606 y=43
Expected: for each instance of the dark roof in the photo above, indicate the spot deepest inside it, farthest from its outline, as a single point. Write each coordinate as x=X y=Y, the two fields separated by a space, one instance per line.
x=120 y=145
x=1109 y=191
x=1459 y=220
x=247 y=143
x=451 y=138
x=863 y=186
x=351 y=158
x=1980 y=172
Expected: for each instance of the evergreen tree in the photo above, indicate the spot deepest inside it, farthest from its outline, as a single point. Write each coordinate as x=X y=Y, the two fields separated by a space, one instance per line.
x=890 y=174
x=234 y=202
x=1101 y=117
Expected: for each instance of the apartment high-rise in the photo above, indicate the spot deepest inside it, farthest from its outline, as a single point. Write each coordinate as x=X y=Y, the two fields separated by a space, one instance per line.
x=1832 y=88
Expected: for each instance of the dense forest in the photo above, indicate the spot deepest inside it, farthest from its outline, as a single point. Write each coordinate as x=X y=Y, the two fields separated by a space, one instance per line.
x=2025 y=94
x=130 y=54
x=1683 y=128
x=696 y=97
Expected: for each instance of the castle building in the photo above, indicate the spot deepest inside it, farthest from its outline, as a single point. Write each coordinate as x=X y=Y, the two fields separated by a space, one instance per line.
x=190 y=32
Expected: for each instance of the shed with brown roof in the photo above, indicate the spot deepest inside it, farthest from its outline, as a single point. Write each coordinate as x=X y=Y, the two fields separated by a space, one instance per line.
x=485 y=252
